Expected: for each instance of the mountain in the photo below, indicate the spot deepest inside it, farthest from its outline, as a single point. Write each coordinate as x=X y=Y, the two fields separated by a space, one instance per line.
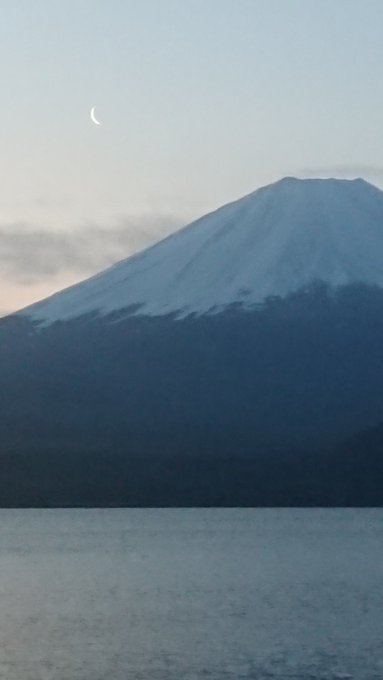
x=230 y=364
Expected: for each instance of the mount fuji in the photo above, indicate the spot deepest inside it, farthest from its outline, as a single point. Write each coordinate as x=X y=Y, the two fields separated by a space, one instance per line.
x=237 y=362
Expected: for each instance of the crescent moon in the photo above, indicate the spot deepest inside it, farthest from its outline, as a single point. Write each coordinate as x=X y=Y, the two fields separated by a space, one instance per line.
x=93 y=116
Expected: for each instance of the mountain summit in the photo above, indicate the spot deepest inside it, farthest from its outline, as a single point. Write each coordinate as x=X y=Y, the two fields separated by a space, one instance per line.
x=272 y=242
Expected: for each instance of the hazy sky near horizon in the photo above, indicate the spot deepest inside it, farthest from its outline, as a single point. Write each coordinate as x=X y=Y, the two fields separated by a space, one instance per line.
x=201 y=102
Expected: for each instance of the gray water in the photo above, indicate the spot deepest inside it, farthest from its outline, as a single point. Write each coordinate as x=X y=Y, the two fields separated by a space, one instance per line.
x=191 y=594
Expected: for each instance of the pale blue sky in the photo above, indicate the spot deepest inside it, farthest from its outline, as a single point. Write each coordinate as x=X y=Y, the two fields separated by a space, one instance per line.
x=202 y=101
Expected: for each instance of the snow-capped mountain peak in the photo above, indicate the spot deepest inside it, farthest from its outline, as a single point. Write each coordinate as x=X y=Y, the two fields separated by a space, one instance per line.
x=271 y=242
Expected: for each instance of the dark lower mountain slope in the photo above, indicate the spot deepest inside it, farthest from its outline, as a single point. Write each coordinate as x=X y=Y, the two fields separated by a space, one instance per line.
x=237 y=408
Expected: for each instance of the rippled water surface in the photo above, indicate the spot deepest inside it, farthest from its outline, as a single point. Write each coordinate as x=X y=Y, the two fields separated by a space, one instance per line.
x=189 y=594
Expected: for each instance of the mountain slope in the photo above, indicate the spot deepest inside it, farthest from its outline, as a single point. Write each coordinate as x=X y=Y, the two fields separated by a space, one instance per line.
x=272 y=242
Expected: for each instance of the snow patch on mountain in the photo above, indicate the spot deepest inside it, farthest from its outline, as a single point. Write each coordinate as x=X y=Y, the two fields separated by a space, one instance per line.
x=271 y=242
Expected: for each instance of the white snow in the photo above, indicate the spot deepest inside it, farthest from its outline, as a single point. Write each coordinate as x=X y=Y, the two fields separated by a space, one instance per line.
x=271 y=242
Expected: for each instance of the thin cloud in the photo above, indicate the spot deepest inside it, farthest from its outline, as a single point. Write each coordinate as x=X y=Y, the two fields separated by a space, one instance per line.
x=30 y=255
x=346 y=170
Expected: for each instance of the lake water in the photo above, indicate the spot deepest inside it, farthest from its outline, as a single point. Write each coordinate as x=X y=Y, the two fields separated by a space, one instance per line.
x=206 y=594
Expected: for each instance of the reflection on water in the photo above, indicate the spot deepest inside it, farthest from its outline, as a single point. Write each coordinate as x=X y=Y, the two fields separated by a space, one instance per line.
x=189 y=594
